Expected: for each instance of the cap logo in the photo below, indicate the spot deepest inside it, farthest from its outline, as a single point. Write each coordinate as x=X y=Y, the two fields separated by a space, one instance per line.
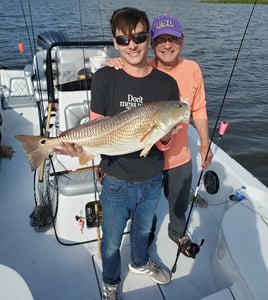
x=165 y=23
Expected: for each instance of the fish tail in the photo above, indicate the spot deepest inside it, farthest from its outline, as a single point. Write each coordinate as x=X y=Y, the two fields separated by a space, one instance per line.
x=35 y=148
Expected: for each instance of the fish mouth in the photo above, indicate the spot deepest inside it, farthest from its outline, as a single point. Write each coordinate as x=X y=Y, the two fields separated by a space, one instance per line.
x=186 y=114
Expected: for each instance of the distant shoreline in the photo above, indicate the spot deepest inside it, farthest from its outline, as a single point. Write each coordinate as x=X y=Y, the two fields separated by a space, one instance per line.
x=235 y=1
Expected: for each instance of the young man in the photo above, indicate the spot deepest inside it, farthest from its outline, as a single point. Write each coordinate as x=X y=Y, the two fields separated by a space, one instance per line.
x=132 y=184
x=167 y=43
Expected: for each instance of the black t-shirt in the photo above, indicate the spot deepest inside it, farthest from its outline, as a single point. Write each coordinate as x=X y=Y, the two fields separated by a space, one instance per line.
x=114 y=91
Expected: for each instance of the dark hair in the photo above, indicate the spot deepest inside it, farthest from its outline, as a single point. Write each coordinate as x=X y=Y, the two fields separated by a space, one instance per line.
x=126 y=19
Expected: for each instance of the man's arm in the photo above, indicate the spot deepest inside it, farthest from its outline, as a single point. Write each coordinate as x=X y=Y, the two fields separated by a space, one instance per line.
x=201 y=126
x=72 y=149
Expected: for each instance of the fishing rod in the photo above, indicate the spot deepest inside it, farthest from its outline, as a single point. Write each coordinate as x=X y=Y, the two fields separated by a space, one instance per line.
x=97 y=209
x=196 y=247
x=97 y=206
x=40 y=104
x=222 y=130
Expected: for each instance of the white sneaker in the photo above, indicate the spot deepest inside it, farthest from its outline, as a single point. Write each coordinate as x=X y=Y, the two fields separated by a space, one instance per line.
x=110 y=292
x=152 y=270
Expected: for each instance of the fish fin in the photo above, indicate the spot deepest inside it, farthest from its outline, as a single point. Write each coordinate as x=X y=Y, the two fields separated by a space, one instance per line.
x=35 y=149
x=148 y=134
x=85 y=157
x=146 y=150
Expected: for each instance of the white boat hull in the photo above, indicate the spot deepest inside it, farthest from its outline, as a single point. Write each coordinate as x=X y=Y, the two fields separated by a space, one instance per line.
x=63 y=262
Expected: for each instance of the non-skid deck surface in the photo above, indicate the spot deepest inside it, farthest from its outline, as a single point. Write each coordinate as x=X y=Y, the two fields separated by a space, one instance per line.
x=188 y=280
x=55 y=272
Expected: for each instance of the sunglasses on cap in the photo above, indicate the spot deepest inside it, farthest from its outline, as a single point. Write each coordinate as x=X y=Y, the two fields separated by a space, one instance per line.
x=138 y=38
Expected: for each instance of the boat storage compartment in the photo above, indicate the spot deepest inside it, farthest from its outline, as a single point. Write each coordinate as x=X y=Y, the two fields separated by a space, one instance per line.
x=76 y=190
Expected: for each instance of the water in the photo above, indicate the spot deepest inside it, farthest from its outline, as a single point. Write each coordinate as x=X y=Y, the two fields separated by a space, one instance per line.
x=213 y=35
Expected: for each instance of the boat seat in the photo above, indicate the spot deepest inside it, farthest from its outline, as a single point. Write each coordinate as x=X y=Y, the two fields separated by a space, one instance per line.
x=77 y=183
x=246 y=237
x=74 y=113
x=16 y=89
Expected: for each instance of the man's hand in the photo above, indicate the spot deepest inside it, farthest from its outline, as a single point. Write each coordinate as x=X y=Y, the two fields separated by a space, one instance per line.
x=70 y=149
x=203 y=152
x=115 y=62
x=174 y=131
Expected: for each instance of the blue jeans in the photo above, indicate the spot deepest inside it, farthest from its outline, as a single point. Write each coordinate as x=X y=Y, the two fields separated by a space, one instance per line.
x=120 y=200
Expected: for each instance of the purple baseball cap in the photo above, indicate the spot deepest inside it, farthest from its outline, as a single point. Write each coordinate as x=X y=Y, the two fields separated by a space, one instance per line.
x=166 y=24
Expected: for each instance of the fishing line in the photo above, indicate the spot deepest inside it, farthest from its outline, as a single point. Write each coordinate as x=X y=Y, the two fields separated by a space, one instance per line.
x=100 y=16
x=213 y=135
x=31 y=21
x=54 y=215
x=81 y=30
x=40 y=103
x=83 y=48
x=262 y=216
x=232 y=72
x=27 y=28
x=96 y=208
x=96 y=205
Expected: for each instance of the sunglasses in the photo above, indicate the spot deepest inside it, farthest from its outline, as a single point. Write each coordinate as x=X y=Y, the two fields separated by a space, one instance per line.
x=138 y=38
x=162 y=41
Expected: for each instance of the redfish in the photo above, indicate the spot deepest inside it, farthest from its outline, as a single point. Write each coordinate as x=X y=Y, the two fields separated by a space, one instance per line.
x=129 y=131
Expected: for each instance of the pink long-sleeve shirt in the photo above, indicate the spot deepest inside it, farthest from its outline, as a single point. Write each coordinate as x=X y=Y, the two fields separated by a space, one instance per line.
x=189 y=77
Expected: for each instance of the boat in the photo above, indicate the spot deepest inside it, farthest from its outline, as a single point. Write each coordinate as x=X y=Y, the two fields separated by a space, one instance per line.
x=51 y=218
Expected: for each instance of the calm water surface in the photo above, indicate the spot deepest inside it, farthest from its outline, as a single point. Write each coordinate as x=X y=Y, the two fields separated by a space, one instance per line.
x=213 y=35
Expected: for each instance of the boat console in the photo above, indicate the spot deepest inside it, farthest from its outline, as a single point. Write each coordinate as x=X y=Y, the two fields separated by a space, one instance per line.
x=68 y=68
